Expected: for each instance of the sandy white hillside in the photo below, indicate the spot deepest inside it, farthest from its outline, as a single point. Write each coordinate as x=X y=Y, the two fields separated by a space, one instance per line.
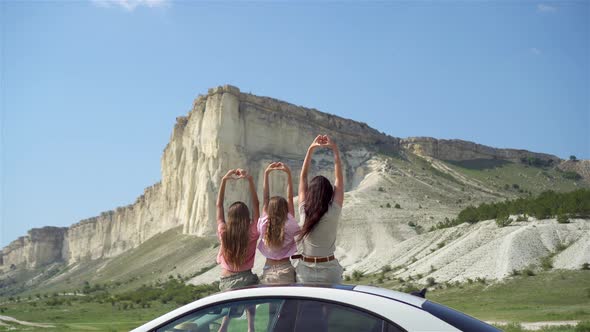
x=484 y=250
x=372 y=235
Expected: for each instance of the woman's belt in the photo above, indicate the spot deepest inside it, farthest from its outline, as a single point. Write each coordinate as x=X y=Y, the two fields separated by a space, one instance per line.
x=309 y=259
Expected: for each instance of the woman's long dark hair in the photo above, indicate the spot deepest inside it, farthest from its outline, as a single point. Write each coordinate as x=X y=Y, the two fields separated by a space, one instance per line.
x=318 y=197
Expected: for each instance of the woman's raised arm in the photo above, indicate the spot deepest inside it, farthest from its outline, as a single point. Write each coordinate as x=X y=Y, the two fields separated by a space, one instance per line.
x=305 y=169
x=339 y=180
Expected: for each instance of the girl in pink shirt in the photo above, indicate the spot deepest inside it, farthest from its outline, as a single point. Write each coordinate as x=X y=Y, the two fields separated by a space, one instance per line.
x=238 y=236
x=277 y=227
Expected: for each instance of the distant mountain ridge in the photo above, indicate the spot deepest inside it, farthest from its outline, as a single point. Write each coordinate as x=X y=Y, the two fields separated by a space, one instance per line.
x=226 y=129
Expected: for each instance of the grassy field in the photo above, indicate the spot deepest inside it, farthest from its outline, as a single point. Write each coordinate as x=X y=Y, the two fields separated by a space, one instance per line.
x=556 y=295
x=81 y=316
x=516 y=177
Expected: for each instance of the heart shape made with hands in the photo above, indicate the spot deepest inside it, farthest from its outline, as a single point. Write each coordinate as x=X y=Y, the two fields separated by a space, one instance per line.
x=323 y=140
x=240 y=173
x=276 y=165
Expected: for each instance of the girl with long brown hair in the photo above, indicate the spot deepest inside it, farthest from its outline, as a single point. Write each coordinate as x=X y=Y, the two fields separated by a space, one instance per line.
x=277 y=227
x=320 y=206
x=238 y=236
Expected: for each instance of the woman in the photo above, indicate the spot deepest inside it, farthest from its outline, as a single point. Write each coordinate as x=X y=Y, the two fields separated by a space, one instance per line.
x=320 y=205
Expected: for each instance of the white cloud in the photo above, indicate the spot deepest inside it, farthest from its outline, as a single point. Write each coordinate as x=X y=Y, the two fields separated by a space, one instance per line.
x=544 y=8
x=535 y=51
x=130 y=5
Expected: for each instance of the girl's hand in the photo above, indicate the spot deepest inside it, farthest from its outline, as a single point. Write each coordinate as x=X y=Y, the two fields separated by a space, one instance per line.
x=230 y=175
x=243 y=174
x=283 y=167
x=271 y=167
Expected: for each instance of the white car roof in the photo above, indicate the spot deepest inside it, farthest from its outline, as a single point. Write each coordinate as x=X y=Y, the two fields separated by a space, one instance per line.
x=403 y=309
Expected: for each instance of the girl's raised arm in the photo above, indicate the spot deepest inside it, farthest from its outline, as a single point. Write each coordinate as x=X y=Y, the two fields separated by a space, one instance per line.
x=338 y=181
x=287 y=170
x=305 y=169
x=253 y=194
x=265 y=190
x=221 y=195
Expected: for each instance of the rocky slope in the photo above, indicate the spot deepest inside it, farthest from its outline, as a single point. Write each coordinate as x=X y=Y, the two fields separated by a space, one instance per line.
x=228 y=129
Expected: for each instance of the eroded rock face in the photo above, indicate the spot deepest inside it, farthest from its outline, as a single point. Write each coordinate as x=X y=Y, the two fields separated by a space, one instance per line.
x=581 y=167
x=458 y=150
x=39 y=247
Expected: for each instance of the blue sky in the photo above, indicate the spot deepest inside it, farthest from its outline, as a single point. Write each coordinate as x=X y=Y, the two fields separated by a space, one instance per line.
x=90 y=89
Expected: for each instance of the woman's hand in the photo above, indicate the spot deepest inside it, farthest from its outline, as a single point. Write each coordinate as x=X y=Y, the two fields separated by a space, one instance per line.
x=320 y=140
x=329 y=142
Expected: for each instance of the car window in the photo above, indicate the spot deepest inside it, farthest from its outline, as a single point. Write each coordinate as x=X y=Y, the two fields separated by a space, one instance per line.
x=301 y=315
x=295 y=315
x=234 y=316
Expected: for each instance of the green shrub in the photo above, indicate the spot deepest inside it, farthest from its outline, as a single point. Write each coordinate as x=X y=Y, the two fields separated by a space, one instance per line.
x=583 y=326
x=511 y=327
x=570 y=175
x=357 y=275
x=547 y=263
x=387 y=205
x=440 y=244
x=503 y=221
x=561 y=247
x=381 y=189
x=545 y=205
x=430 y=281
x=386 y=268
x=397 y=206
x=586 y=266
x=528 y=272
x=563 y=219
x=409 y=288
